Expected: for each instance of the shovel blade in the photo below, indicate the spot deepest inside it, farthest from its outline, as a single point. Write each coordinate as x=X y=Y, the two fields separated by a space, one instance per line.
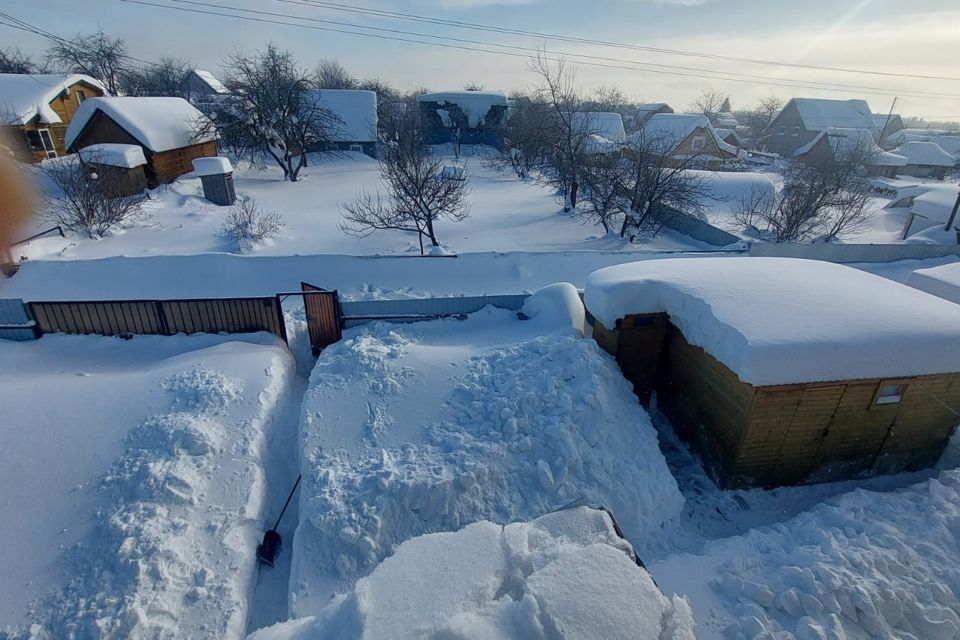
x=269 y=549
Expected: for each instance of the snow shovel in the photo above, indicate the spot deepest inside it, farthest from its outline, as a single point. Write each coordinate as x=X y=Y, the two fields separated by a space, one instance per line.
x=268 y=549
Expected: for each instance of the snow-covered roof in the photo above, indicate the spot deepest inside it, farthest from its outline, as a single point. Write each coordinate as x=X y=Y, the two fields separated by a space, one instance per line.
x=215 y=166
x=23 y=96
x=159 y=124
x=726 y=119
x=474 y=104
x=211 y=81
x=723 y=134
x=784 y=320
x=597 y=145
x=126 y=156
x=654 y=106
x=925 y=154
x=909 y=135
x=942 y=281
x=934 y=202
x=818 y=113
x=950 y=144
x=606 y=124
x=881 y=120
x=356 y=109
x=854 y=143
x=667 y=130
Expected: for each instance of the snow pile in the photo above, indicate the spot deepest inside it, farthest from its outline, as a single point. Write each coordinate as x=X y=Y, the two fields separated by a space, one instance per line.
x=943 y=281
x=925 y=154
x=863 y=565
x=125 y=156
x=557 y=305
x=772 y=320
x=25 y=95
x=475 y=105
x=159 y=124
x=211 y=166
x=564 y=575
x=151 y=530
x=428 y=427
x=950 y=144
x=355 y=110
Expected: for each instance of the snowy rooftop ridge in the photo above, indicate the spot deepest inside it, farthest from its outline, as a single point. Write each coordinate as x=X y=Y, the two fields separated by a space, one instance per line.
x=819 y=113
x=159 y=124
x=211 y=81
x=785 y=320
x=608 y=125
x=25 y=95
x=925 y=153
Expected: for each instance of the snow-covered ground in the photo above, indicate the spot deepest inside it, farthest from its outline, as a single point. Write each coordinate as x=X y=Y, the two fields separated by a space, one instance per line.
x=133 y=483
x=413 y=429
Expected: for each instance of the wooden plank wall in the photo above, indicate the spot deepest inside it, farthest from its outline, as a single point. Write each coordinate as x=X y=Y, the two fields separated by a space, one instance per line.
x=168 y=165
x=161 y=317
x=636 y=344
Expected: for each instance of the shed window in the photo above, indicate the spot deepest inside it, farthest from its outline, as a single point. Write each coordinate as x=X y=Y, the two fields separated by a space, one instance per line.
x=890 y=393
x=699 y=143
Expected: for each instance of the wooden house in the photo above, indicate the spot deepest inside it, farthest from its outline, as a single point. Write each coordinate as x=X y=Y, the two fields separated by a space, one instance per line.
x=165 y=128
x=688 y=140
x=35 y=110
x=202 y=87
x=851 y=145
x=648 y=110
x=887 y=124
x=802 y=119
x=781 y=371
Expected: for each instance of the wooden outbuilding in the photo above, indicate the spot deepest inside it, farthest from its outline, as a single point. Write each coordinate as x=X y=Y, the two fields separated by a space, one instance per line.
x=119 y=168
x=780 y=371
x=171 y=132
x=36 y=109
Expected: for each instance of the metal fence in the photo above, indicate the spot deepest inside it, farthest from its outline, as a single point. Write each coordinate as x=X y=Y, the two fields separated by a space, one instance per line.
x=698 y=229
x=844 y=253
x=15 y=322
x=416 y=309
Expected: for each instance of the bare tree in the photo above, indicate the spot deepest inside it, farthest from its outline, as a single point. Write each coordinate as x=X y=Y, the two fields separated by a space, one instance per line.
x=605 y=178
x=709 y=103
x=820 y=199
x=760 y=117
x=272 y=110
x=97 y=55
x=165 y=78
x=246 y=222
x=421 y=190
x=528 y=137
x=330 y=74
x=473 y=86
x=12 y=60
x=81 y=201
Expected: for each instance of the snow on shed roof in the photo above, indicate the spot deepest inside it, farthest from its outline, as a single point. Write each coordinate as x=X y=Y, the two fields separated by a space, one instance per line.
x=818 y=113
x=924 y=154
x=211 y=81
x=159 y=124
x=606 y=124
x=942 y=281
x=474 y=104
x=126 y=156
x=215 y=166
x=784 y=320
x=723 y=134
x=25 y=95
x=847 y=143
x=356 y=109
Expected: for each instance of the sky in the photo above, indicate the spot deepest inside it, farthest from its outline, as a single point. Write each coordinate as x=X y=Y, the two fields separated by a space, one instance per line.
x=920 y=37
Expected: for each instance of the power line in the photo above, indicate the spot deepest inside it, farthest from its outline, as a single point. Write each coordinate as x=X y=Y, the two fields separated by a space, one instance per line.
x=874 y=91
x=398 y=15
x=724 y=75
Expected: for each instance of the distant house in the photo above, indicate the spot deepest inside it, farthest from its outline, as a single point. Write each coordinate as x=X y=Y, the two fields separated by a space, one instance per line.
x=35 y=110
x=355 y=111
x=648 y=110
x=166 y=129
x=887 y=124
x=855 y=145
x=908 y=135
x=802 y=119
x=950 y=144
x=682 y=138
x=731 y=137
x=202 y=86
x=925 y=160
x=726 y=120
x=466 y=117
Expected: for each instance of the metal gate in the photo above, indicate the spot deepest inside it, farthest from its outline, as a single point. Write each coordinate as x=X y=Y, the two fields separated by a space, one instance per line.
x=323 y=316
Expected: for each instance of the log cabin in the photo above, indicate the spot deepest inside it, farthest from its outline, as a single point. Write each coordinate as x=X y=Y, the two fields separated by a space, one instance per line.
x=171 y=132
x=36 y=109
x=779 y=371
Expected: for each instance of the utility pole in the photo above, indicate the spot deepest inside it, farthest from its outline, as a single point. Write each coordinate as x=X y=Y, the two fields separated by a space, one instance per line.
x=887 y=121
x=953 y=216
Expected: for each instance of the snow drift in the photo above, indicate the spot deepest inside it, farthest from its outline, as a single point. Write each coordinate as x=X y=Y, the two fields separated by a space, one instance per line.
x=564 y=575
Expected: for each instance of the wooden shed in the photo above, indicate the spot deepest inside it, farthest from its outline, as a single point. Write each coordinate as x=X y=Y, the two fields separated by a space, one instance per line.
x=37 y=108
x=119 y=168
x=167 y=129
x=780 y=371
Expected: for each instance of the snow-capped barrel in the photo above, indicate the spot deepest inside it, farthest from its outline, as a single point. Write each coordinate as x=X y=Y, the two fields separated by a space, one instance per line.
x=216 y=176
x=784 y=371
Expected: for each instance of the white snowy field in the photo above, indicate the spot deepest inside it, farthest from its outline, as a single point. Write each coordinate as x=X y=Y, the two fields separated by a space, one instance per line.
x=421 y=428
x=134 y=483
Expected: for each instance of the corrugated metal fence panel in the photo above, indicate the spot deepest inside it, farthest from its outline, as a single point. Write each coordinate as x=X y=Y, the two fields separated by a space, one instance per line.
x=698 y=229
x=358 y=312
x=13 y=311
x=229 y=315
x=323 y=316
x=110 y=318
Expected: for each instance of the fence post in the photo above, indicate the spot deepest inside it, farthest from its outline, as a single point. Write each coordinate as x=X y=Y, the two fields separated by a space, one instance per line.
x=283 y=323
x=162 y=317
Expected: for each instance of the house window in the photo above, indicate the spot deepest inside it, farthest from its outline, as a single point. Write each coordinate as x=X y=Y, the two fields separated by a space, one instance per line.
x=41 y=141
x=699 y=143
x=890 y=393
x=81 y=96
x=783 y=130
x=796 y=131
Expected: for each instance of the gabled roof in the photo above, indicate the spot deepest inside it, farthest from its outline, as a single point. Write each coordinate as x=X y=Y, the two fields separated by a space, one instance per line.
x=950 y=144
x=211 y=81
x=727 y=119
x=925 y=154
x=881 y=120
x=159 y=124
x=846 y=143
x=665 y=131
x=724 y=134
x=356 y=110
x=818 y=114
x=608 y=125
x=23 y=96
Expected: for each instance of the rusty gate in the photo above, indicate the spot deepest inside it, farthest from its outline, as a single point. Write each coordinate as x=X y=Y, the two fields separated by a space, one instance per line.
x=323 y=316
